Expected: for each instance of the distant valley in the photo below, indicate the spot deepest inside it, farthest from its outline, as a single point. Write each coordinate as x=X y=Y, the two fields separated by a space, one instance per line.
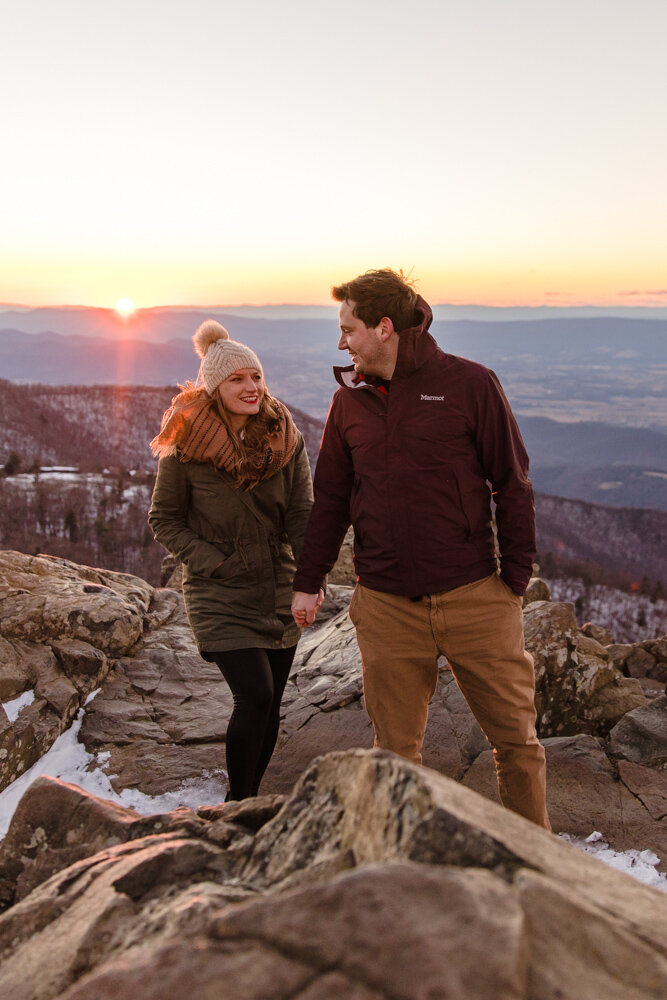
x=611 y=369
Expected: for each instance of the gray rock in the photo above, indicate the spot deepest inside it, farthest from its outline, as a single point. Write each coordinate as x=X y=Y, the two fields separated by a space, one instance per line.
x=618 y=653
x=584 y=794
x=641 y=735
x=337 y=599
x=657 y=650
x=577 y=688
x=61 y=625
x=162 y=714
x=171 y=573
x=537 y=590
x=15 y=675
x=597 y=632
x=344 y=573
x=649 y=785
x=45 y=598
x=639 y=663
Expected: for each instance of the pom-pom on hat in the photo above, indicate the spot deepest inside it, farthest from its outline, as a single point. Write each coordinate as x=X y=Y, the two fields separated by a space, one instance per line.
x=221 y=357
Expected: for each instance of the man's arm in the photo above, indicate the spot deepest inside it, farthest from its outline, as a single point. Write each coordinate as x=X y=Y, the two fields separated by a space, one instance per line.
x=300 y=500
x=505 y=464
x=330 y=516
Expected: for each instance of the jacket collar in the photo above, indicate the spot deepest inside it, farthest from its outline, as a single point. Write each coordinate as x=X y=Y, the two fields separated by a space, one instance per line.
x=351 y=379
x=415 y=346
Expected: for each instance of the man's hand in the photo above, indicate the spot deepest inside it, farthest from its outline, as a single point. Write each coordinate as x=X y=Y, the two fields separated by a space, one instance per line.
x=304 y=607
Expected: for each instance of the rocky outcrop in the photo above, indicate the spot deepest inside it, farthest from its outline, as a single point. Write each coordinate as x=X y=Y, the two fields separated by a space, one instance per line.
x=578 y=689
x=644 y=660
x=68 y=630
x=641 y=735
x=376 y=879
x=62 y=626
x=161 y=713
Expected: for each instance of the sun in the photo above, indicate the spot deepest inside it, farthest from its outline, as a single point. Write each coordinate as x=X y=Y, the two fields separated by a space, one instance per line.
x=125 y=308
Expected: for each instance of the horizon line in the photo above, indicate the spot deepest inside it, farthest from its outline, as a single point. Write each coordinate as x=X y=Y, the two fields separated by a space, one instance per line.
x=24 y=306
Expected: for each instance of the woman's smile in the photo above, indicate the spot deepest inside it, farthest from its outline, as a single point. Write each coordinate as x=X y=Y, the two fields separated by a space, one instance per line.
x=241 y=393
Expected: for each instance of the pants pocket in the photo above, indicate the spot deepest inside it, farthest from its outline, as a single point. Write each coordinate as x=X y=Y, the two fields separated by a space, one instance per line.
x=353 y=604
x=515 y=599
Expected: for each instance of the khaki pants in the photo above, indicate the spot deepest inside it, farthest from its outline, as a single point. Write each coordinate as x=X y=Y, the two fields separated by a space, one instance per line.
x=479 y=628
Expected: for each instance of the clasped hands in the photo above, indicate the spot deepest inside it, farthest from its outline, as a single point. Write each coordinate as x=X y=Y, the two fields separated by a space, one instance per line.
x=305 y=607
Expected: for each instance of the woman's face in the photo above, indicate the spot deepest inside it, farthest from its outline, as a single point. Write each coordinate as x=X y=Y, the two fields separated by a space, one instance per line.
x=241 y=394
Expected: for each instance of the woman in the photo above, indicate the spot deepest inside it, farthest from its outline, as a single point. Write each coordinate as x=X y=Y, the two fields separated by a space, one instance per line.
x=231 y=501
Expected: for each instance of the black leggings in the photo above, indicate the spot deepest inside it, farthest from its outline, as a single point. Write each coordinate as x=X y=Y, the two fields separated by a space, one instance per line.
x=257 y=679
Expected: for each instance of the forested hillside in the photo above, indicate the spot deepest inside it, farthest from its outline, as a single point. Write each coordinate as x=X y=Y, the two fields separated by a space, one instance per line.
x=94 y=427
x=630 y=541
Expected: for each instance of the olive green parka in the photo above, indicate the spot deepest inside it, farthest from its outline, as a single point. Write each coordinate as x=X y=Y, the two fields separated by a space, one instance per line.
x=238 y=548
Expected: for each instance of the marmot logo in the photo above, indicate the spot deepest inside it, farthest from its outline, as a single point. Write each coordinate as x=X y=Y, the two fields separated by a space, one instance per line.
x=437 y=399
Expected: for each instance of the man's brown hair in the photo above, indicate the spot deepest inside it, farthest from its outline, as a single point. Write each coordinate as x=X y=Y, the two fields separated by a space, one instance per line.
x=377 y=294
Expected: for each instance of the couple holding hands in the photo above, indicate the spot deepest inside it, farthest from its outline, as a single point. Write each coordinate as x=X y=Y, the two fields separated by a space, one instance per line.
x=415 y=444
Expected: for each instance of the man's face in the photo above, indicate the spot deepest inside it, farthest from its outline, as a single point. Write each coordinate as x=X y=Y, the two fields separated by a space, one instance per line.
x=362 y=342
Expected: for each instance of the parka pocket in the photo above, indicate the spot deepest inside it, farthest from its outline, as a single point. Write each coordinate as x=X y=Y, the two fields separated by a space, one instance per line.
x=357 y=510
x=231 y=567
x=474 y=498
x=235 y=558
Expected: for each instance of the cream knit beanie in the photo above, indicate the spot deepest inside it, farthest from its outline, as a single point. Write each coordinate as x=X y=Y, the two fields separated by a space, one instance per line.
x=220 y=355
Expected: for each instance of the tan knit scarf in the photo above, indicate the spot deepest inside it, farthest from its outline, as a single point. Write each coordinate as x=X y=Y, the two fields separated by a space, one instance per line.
x=193 y=430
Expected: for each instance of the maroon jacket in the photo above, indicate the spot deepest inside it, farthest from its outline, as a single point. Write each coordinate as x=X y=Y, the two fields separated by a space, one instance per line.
x=409 y=469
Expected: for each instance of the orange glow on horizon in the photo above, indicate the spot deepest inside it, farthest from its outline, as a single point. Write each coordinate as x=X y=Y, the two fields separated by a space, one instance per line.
x=199 y=284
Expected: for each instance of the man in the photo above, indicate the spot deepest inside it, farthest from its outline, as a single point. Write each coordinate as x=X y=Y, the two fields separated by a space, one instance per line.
x=412 y=440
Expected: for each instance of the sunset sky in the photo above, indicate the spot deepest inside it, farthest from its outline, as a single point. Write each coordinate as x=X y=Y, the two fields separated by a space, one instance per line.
x=218 y=152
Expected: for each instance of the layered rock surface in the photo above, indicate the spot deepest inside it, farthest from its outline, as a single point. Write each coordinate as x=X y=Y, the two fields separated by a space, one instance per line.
x=375 y=880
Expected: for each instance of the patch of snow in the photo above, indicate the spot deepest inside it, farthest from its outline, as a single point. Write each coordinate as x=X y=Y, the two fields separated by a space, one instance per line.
x=69 y=761
x=13 y=708
x=638 y=864
x=132 y=492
